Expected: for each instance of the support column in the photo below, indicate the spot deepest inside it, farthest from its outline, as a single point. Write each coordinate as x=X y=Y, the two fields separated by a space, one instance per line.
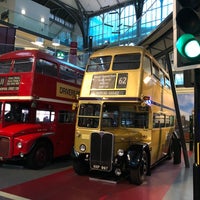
x=196 y=166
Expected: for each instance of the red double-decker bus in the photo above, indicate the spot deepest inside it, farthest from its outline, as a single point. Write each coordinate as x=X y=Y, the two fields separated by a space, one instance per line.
x=37 y=94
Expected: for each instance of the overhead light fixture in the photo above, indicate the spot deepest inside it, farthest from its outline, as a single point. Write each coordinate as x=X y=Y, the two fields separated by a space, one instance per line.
x=56 y=42
x=42 y=19
x=23 y=11
x=38 y=41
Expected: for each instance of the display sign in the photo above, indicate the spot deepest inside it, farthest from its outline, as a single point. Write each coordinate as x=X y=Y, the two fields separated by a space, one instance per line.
x=66 y=91
x=104 y=81
x=107 y=92
x=10 y=83
x=107 y=81
x=109 y=84
x=122 y=80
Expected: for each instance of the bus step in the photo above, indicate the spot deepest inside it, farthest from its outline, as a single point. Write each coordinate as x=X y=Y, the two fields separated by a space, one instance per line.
x=103 y=180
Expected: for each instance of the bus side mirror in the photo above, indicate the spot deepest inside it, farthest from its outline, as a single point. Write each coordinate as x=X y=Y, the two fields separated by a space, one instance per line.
x=77 y=96
x=74 y=106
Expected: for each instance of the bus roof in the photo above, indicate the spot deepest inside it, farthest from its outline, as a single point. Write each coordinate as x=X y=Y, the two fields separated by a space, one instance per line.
x=118 y=49
x=24 y=53
x=36 y=53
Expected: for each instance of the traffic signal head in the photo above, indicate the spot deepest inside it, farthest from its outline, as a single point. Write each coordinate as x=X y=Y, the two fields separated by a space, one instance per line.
x=188 y=46
x=188 y=20
x=189 y=3
x=188 y=32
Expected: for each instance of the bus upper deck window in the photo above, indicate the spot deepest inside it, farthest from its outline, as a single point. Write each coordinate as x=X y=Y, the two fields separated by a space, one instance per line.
x=5 y=66
x=126 y=61
x=99 y=64
x=23 y=65
x=156 y=72
x=167 y=82
x=46 y=67
x=67 y=73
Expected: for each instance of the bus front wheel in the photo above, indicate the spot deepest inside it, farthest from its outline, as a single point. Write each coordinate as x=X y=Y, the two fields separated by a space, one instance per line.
x=138 y=175
x=39 y=156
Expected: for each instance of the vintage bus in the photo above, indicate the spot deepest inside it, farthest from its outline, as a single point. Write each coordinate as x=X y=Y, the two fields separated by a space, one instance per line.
x=125 y=119
x=37 y=94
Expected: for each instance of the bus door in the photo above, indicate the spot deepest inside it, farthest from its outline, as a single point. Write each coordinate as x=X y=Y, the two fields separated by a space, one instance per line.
x=65 y=129
x=156 y=141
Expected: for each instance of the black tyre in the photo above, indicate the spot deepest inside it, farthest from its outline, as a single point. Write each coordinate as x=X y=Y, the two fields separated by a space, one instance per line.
x=39 y=156
x=170 y=153
x=80 y=168
x=176 y=146
x=138 y=175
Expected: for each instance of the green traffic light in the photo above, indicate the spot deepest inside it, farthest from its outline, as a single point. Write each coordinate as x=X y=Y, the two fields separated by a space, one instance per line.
x=192 y=49
x=188 y=46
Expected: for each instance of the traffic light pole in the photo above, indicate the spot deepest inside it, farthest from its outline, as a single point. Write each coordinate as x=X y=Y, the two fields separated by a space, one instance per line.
x=196 y=165
x=187 y=14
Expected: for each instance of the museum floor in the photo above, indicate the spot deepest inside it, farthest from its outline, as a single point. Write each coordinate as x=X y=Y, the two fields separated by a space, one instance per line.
x=59 y=181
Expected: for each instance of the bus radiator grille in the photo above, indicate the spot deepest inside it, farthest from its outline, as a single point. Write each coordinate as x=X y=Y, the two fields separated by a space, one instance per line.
x=4 y=147
x=101 y=155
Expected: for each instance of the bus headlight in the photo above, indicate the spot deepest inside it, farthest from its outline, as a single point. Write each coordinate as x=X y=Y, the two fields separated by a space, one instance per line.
x=120 y=152
x=82 y=147
x=19 y=145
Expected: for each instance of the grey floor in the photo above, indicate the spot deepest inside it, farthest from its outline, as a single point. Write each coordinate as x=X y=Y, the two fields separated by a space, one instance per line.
x=182 y=188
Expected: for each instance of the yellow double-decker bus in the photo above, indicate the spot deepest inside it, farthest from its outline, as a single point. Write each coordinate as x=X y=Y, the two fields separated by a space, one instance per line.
x=125 y=122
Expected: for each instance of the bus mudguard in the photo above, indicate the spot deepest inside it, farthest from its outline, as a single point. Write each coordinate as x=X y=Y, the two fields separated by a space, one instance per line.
x=135 y=153
x=74 y=154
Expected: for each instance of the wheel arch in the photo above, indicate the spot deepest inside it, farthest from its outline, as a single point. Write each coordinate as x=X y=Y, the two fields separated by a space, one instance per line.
x=135 y=153
x=175 y=135
x=37 y=157
x=44 y=140
x=40 y=140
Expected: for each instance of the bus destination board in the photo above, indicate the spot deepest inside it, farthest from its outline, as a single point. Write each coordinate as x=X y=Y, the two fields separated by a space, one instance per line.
x=10 y=83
